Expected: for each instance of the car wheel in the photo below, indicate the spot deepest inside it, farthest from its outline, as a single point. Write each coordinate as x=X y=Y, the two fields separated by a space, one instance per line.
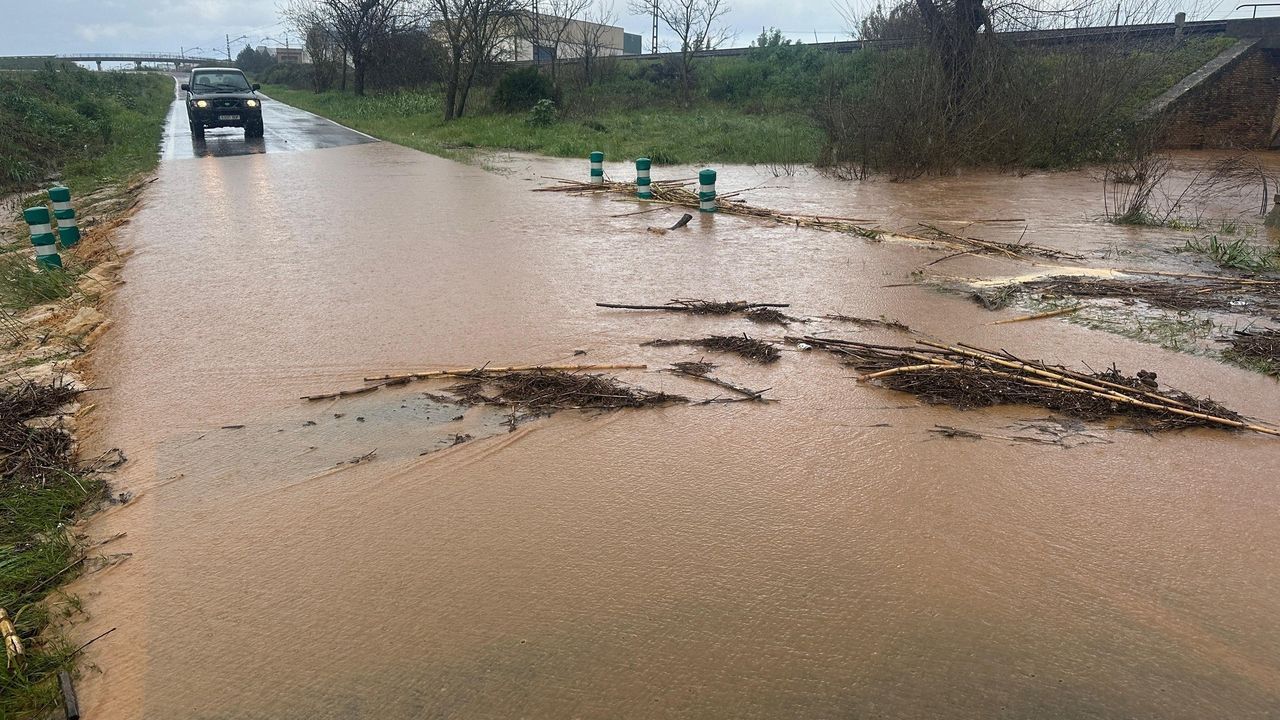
x=197 y=130
x=253 y=130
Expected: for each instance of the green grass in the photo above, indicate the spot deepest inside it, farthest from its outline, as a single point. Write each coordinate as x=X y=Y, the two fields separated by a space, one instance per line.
x=24 y=285
x=1265 y=366
x=35 y=554
x=705 y=133
x=89 y=129
x=1238 y=254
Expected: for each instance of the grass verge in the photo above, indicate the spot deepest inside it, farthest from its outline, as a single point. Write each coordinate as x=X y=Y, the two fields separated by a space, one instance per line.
x=41 y=493
x=90 y=129
x=91 y=132
x=705 y=133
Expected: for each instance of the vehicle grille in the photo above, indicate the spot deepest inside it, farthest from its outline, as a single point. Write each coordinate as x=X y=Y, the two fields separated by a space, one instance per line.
x=226 y=103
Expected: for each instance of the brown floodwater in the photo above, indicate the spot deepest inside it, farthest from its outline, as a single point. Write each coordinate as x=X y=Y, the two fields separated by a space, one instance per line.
x=822 y=556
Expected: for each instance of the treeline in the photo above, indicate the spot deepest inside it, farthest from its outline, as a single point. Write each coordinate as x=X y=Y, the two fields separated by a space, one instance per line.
x=955 y=94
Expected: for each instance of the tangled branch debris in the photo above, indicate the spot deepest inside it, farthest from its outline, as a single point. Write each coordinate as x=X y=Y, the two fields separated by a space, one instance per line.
x=33 y=454
x=390 y=380
x=1223 y=295
x=758 y=312
x=968 y=377
x=869 y=322
x=1257 y=345
x=742 y=345
x=971 y=245
x=701 y=370
x=676 y=193
x=546 y=391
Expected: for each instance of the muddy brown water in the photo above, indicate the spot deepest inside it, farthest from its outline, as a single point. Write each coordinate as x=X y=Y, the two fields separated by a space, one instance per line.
x=823 y=556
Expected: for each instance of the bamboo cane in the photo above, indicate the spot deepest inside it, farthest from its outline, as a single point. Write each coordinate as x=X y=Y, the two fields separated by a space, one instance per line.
x=1039 y=316
x=1095 y=381
x=1117 y=397
x=14 y=654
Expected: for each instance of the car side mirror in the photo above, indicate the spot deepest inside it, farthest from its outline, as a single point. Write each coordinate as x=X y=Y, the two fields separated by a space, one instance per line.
x=256 y=86
x=186 y=87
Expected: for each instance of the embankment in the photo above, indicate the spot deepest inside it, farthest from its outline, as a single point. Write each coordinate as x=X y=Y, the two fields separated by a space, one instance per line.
x=98 y=134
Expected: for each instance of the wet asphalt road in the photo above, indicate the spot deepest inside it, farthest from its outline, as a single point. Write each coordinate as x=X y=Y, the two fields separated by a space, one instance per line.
x=286 y=129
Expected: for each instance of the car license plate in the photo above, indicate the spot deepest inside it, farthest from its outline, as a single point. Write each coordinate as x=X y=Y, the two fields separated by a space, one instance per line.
x=228 y=117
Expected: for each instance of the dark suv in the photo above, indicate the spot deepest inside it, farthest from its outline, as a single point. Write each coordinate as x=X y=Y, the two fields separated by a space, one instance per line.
x=222 y=97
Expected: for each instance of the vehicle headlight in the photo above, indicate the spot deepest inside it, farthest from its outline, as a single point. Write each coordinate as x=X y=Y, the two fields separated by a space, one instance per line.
x=202 y=103
x=251 y=103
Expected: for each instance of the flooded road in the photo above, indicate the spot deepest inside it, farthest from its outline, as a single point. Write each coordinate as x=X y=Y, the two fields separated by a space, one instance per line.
x=285 y=129
x=822 y=556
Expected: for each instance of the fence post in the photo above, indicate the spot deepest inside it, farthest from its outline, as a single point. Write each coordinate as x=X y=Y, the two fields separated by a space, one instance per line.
x=642 y=178
x=707 y=191
x=42 y=237
x=68 y=233
x=597 y=168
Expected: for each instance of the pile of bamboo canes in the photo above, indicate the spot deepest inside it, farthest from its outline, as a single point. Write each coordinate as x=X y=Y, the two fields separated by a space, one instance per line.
x=967 y=376
x=677 y=193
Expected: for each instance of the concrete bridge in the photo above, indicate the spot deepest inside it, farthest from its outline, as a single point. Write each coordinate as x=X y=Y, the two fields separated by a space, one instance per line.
x=1232 y=101
x=137 y=58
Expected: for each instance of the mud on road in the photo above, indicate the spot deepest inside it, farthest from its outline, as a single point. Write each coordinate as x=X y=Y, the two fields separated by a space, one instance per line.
x=826 y=555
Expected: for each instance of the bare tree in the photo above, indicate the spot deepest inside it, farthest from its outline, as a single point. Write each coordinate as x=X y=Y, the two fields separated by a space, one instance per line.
x=590 y=37
x=472 y=32
x=697 y=25
x=356 y=26
x=551 y=25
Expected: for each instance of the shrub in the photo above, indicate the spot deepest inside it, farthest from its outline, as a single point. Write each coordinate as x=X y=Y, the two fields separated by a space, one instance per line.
x=520 y=89
x=543 y=114
x=296 y=77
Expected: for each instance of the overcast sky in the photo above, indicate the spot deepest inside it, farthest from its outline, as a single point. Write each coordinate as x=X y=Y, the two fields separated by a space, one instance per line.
x=63 y=26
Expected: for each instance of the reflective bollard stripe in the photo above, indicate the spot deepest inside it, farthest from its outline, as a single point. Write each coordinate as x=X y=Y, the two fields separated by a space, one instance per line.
x=597 y=168
x=707 y=191
x=642 y=178
x=68 y=233
x=42 y=237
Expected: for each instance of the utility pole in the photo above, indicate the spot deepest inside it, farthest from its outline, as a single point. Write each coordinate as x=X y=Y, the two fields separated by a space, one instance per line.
x=231 y=40
x=653 y=48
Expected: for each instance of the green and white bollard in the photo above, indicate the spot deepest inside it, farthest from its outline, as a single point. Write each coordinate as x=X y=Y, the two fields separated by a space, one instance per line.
x=42 y=237
x=642 y=178
x=68 y=233
x=597 y=168
x=707 y=191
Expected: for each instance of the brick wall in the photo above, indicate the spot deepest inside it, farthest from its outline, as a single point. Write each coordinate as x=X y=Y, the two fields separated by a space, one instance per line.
x=1236 y=108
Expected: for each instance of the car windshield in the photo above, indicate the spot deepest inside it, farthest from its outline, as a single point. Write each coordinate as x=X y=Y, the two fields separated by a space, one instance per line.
x=219 y=82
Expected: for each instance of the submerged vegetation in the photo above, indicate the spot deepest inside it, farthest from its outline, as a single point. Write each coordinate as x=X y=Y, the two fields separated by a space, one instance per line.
x=1238 y=254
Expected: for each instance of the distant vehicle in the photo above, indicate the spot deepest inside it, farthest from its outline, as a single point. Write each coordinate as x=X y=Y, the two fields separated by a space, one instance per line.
x=222 y=97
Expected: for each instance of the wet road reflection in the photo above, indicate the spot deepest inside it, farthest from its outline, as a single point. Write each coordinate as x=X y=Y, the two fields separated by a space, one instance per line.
x=286 y=129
